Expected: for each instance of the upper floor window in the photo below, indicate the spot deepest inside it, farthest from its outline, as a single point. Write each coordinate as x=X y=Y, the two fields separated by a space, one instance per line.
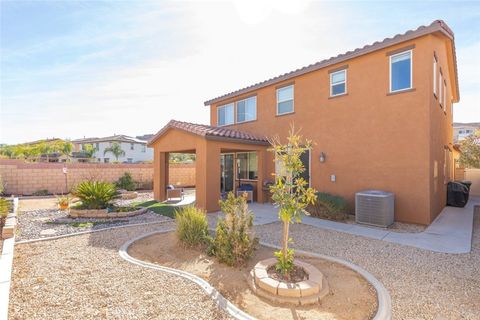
x=97 y=146
x=445 y=97
x=132 y=146
x=401 y=71
x=247 y=109
x=285 y=100
x=440 y=88
x=225 y=115
x=338 y=83
x=434 y=76
x=144 y=148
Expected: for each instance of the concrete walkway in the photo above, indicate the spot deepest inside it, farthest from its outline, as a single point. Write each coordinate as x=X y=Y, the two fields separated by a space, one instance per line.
x=450 y=232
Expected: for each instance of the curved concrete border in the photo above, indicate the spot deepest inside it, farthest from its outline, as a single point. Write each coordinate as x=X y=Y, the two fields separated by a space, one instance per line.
x=384 y=310
x=220 y=300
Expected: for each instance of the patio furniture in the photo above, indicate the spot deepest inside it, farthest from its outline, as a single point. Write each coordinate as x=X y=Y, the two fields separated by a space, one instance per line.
x=174 y=193
x=248 y=189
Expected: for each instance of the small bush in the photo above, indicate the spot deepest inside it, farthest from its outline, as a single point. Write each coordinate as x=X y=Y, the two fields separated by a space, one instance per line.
x=329 y=206
x=192 y=226
x=4 y=209
x=126 y=182
x=95 y=194
x=2 y=185
x=39 y=193
x=234 y=240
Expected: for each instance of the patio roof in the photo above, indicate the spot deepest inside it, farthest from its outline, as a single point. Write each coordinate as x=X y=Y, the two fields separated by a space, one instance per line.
x=210 y=133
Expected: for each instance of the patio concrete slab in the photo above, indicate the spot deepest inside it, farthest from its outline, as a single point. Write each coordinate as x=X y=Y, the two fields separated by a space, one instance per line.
x=450 y=232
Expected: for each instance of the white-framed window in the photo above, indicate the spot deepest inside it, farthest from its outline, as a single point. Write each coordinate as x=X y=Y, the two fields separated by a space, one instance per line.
x=247 y=109
x=445 y=96
x=285 y=100
x=129 y=160
x=338 y=83
x=225 y=114
x=440 y=88
x=435 y=76
x=132 y=146
x=401 y=71
x=144 y=148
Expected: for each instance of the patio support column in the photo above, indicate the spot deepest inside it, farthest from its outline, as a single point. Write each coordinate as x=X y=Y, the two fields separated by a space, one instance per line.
x=261 y=175
x=161 y=176
x=207 y=175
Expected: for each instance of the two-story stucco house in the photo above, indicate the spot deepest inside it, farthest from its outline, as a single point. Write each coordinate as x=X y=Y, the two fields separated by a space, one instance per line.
x=464 y=130
x=380 y=118
x=135 y=150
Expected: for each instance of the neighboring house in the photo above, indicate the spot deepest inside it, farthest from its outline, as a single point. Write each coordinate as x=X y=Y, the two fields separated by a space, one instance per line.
x=380 y=117
x=135 y=150
x=463 y=130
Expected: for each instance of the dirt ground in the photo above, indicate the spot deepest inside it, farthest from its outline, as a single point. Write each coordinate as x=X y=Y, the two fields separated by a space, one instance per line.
x=36 y=204
x=351 y=296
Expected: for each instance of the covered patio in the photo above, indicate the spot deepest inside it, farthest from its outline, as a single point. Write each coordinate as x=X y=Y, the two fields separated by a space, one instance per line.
x=226 y=160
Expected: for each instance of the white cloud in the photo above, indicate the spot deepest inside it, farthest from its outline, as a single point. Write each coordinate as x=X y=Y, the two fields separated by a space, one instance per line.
x=468 y=109
x=230 y=46
x=182 y=55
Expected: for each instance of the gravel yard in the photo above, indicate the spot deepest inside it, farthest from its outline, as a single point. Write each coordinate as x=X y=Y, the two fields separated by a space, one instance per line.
x=83 y=277
x=48 y=221
x=422 y=284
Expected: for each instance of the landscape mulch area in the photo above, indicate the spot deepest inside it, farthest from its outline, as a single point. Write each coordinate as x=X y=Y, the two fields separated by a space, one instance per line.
x=83 y=277
x=422 y=284
x=350 y=297
x=47 y=221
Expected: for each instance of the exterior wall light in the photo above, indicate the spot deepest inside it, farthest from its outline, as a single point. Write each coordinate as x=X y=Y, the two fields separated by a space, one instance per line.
x=322 y=157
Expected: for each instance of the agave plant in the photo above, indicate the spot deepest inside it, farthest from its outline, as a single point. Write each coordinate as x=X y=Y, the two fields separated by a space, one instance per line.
x=96 y=194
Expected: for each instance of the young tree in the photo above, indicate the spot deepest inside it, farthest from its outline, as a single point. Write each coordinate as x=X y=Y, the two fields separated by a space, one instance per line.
x=470 y=148
x=290 y=192
x=115 y=149
x=89 y=150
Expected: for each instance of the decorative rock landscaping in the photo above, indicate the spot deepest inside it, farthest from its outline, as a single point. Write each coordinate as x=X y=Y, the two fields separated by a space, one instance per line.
x=305 y=292
x=103 y=213
x=48 y=222
x=128 y=195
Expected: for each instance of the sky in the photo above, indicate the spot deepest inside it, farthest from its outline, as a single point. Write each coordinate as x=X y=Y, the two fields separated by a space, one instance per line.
x=71 y=69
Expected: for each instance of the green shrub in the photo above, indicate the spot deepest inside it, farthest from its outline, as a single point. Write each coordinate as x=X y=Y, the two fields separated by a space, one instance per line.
x=2 y=185
x=95 y=194
x=42 y=192
x=126 y=182
x=329 y=206
x=4 y=209
x=192 y=226
x=234 y=240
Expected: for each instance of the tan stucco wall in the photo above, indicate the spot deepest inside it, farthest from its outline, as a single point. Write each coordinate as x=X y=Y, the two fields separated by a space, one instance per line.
x=372 y=140
x=441 y=128
x=25 y=178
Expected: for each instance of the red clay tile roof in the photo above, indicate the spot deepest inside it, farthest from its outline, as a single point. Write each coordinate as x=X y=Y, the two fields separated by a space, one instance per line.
x=210 y=132
x=435 y=26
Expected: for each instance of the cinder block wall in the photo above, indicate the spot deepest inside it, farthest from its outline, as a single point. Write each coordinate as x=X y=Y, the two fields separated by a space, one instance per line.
x=23 y=178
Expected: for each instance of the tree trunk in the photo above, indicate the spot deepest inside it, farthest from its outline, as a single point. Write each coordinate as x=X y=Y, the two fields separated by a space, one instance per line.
x=286 y=225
